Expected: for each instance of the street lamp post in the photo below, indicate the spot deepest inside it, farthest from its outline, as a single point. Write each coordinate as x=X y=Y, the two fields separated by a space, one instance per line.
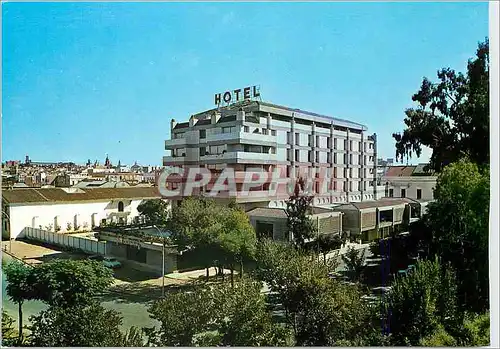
x=162 y=263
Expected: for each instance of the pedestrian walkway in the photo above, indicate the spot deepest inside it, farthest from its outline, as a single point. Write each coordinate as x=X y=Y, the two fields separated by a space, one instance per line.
x=195 y=274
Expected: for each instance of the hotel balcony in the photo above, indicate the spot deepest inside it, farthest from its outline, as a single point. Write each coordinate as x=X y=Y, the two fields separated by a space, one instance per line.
x=173 y=160
x=242 y=137
x=240 y=157
x=174 y=143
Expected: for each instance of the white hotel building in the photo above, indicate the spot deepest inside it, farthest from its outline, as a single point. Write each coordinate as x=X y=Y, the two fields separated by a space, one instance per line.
x=337 y=156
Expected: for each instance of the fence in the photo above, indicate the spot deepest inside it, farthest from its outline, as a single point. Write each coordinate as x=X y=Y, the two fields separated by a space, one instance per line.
x=66 y=240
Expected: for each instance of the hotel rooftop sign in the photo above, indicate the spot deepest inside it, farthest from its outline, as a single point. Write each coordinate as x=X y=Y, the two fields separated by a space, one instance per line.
x=241 y=94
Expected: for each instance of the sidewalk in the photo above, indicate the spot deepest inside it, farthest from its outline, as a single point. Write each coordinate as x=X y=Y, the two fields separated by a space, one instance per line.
x=345 y=248
x=195 y=274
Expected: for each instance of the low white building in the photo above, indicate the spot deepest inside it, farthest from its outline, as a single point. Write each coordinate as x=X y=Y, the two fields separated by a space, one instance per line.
x=409 y=182
x=70 y=209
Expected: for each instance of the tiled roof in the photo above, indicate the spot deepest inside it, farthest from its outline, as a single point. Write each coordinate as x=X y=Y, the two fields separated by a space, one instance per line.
x=34 y=195
x=399 y=171
x=268 y=212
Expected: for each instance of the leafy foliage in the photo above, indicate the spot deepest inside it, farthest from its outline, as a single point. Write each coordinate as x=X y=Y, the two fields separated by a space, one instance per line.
x=452 y=117
x=355 y=262
x=155 y=211
x=9 y=333
x=422 y=301
x=67 y=283
x=217 y=316
x=477 y=330
x=83 y=326
x=457 y=225
x=328 y=243
x=298 y=209
x=19 y=287
x=322 y=312
x=222 y=232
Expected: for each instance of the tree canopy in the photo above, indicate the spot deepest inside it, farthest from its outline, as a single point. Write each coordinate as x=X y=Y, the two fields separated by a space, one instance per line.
x=458 y=226
x=155 y=211
x=452 y=117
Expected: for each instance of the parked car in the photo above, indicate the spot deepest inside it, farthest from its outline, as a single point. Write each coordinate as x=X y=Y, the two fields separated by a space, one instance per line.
x=109 y=262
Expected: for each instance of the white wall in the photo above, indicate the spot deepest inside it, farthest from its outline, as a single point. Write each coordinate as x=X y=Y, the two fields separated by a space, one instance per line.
x=411 y=184
x=23 y=215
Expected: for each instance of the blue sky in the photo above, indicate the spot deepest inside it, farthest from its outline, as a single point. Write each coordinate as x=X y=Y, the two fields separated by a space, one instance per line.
x=82 y=80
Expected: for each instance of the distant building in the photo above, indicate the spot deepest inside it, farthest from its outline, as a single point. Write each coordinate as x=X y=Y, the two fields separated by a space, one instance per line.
x=57 y=209
x=409 y=182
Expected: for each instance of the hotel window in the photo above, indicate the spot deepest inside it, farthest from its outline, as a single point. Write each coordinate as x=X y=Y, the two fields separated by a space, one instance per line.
x=419 y=194
x=360 y=160
x=329 y=157
x=289 y=138
x=288 y=171
x=359 y=173
x=297 y=153
x=345 y=186
x=350 y=159
x=345 y=144
x=335 y=158
x=328 y=142
x=350 y=146
x=203 y=151
x=317 y=156
x=265 y=131
x=289 y=154
x=203 y=134
x=317 y=141
x=345 y=172
x=350 y=186
x=335 y=185
x=309 y=156
x=335 y=143
x=360 y=146
x=246 y=129
x=229 y=129
x=350 y=173
x=334 y=172
x=297 y=138
x=273 y=132
x=345 y=159
x=403 y=193
x=309 y=141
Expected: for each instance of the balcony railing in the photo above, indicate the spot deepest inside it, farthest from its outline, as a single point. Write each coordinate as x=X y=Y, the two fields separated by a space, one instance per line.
x=240 y=155
x=172 y=143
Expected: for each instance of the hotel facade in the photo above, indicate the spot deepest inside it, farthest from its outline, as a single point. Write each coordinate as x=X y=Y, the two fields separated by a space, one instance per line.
x=336 y=157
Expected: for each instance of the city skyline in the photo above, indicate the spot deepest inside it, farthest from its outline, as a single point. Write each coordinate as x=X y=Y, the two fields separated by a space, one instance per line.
x=82 y=80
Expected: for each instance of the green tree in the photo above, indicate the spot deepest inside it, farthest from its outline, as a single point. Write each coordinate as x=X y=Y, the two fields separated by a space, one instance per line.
x=458 y=222
x=155 y=211
x=321 y=311
x=223 y=234
x=421 y=302
x=182 y=315
x=328 y=243
x=452 y=117
x=68 y=283
x=354 y=262
x=19 y=277
x=83 y=326
x=216 y=316
x=235 y=238
x=298 y=211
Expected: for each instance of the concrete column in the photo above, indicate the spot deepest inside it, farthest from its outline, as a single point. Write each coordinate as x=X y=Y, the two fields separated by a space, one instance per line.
x=348 y=166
